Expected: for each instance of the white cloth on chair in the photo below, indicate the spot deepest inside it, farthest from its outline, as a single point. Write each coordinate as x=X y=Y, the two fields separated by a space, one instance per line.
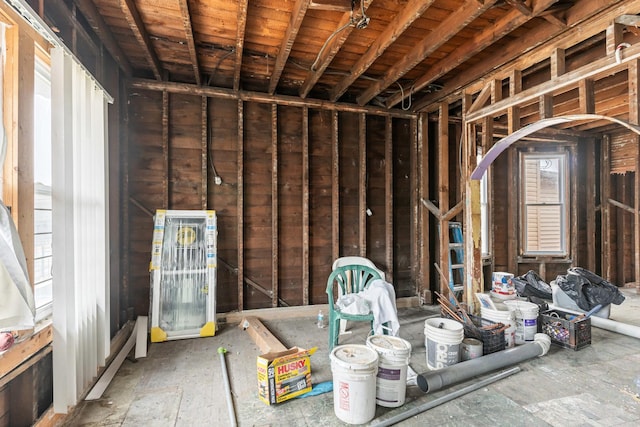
x=353 y=304
x=382 y=299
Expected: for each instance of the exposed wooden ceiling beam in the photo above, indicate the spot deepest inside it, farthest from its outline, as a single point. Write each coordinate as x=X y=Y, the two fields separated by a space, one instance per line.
x=264 y=98
x=336 y=5
x=242 y=22
x=552 y=18
x=448 y=28
x=134 y=20
x=490 y=35
x=528 y=11
x=412 y=11
x=297 y=16
x=521 y=6
x=330 y=51
x=591 y=16
x=101 y=29
x=188 y=30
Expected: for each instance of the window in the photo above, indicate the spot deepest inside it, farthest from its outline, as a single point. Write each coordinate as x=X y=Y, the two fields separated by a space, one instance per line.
x=484 y=210
x=544 y=203
x=43 y=225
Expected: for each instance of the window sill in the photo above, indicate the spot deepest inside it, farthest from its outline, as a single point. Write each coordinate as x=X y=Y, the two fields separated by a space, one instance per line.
x=547 y=259
x=23 y=351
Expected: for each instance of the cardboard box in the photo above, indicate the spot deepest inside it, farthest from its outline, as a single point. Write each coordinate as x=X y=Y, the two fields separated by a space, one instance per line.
x=284 y=375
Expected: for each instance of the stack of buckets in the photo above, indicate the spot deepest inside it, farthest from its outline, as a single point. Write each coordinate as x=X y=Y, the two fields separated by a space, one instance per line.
x=522 y=318
x=506 y=317
x=366 y=375
x=526 y=315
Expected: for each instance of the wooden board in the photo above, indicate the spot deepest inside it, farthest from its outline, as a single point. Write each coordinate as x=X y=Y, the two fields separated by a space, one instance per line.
x=265 y=340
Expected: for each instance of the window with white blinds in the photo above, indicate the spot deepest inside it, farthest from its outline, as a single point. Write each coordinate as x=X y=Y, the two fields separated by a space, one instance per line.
x=544 y=203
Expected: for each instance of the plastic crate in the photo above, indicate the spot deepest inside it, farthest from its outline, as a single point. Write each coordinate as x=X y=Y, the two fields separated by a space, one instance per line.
x=492 y=336
x=492 y=339
x=564 y=332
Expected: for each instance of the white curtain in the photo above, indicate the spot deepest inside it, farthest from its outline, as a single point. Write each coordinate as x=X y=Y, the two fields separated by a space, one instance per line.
x=81 y=337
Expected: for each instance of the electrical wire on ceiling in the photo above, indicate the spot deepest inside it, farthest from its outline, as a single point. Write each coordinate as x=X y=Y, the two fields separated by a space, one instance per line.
x=405 y=108
x=360 y=23
x=215 y=69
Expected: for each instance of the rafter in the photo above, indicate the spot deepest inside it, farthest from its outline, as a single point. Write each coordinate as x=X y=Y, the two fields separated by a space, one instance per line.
x=412 y=11
x=330 y=51
x=242 y=21
x=188 y=30
x=490 y=35
x=514 y=51
x=448 y=28
x=297 y=16
x=336 y=5
x=101 y=29
x=136 y=25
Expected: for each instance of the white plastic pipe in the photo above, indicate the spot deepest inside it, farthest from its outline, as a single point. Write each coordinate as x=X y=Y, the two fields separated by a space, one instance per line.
x=436 y=380
x=618 y=52
x=608 y=324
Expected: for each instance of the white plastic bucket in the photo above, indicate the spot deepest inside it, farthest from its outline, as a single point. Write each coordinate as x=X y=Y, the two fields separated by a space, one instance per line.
x=393 y=358
x=442 y=338
x=526 y=314
x=502 y=316
x=501 y=282
x=471 y=348
x=354 y=368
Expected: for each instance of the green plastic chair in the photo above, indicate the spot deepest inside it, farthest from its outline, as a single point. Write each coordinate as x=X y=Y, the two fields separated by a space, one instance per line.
x=351 y=279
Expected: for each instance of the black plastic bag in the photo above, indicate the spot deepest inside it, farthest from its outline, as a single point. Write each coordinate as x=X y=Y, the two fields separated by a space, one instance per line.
x=531 y=285
x=588 y=289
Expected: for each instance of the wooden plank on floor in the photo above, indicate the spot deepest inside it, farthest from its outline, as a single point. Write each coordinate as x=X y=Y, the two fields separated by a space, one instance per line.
x=104 y=381
x=261 y=335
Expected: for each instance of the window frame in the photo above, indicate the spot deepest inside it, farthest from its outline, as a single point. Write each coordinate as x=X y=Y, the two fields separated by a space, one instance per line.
x=42 y=59
x=564 y=154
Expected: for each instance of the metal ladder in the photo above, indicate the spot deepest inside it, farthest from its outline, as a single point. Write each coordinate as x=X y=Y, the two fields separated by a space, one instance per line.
x=456 y=257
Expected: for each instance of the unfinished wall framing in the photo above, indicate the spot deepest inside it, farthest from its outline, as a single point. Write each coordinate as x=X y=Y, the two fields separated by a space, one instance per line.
x=294 y=187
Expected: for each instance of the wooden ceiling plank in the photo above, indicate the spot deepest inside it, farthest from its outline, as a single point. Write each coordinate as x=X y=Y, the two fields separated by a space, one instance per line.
x=330 y=51
x=448 y=28
x=412 y=11
x=93 y=17
x=136 y=24
x=242 y=22
x=504 y=26
x=588 y=15
x=335 y=5
x=297 y=16
x=188 y=30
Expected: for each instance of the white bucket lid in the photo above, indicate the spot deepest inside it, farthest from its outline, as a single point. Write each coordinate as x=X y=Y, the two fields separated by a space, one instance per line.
x=447 y=324
x=491 y=314
x=499 y=275
x=389 y=345
x=354 y=357
x=522 y=306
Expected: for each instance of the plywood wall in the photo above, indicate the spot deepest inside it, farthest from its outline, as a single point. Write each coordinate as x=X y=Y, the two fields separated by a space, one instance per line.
x=296 y=184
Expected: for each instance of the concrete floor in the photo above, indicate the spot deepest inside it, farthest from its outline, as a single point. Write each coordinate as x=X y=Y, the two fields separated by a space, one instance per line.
x=180 y=383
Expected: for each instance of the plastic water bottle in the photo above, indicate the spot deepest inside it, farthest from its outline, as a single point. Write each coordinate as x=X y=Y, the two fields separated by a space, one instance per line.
x=321 y=319
x=637 y=381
